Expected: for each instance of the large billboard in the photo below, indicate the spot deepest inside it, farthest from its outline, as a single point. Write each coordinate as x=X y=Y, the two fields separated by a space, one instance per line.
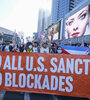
x=78 y=24
x=53 y=32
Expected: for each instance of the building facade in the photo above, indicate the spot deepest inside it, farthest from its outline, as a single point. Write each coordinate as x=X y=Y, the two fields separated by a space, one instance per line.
x=62 y=7
x=6 y=34
x=44 y=21
x=41 y=20
x=55 y=9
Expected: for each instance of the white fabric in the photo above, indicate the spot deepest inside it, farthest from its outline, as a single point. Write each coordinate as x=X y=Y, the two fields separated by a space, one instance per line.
x=24 y=50
x=35 y=49
x=44 y=50
x=6 y=48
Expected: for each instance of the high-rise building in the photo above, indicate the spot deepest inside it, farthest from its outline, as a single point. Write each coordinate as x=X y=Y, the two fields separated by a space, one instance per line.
x=55 y=9
x=40 y=21
x=59 y=9
x=62 y=7
x=44 y=18
x=47 y=19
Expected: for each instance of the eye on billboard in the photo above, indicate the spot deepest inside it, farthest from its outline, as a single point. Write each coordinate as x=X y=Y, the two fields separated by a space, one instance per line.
x=78 y=24
x=53 y=32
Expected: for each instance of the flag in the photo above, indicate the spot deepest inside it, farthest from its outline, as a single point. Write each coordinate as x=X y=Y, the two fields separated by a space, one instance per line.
x=75 y=50
x=42 y=35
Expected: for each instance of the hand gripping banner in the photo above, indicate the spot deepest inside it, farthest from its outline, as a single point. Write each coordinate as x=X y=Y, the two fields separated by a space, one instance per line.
x=59 y=74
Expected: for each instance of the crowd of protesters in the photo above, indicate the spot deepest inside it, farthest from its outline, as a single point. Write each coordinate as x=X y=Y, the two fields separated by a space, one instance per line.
x=29 y=47
x=35 y=46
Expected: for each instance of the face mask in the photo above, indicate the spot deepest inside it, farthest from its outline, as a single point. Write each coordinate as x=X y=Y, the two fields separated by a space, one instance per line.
x=59 y=51
x=30 y=46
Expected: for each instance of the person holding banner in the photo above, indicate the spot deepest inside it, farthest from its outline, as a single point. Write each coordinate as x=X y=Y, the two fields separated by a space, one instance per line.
x=36 y=47
x=7 y=47
x=44 y=48
x=21 y=48
x=29 y=47
x=59 y=50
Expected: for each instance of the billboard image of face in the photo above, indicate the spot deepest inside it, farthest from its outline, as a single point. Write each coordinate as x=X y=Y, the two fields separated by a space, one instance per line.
x=53 y=32
x=78 y=24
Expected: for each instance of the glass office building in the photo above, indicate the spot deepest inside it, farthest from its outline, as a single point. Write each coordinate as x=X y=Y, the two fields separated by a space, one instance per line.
x=62 y=7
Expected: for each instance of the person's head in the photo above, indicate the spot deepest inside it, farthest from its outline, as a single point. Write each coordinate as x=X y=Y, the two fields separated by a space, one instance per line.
x=7 y=42
x=29 y=45
x=59 y=50
x=45 y=45
x=76 y=24
x=35 y=44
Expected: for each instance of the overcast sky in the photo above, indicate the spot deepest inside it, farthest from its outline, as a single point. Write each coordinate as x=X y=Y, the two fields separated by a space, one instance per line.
x=21 y=15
